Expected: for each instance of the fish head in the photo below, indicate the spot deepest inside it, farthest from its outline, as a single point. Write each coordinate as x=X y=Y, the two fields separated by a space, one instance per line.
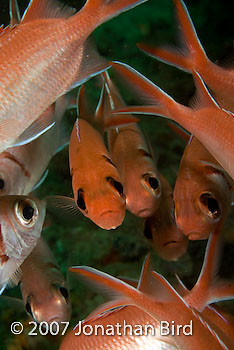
x=166 y=238
x=48 y=304
x=21 y=221
x=143 y=188
x=15 y=183
x=101 y=197
x=201 y=199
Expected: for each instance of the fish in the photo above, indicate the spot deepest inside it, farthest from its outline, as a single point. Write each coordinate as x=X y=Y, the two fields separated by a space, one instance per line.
x=133 y=157
x=160 y=301
x=49 y=300
x=211 y=125
x=167 y=239
x=97 y=188
x=192 y=57
x=44 y=56
x=203 y=192
x=27 y=164
x=21 y=221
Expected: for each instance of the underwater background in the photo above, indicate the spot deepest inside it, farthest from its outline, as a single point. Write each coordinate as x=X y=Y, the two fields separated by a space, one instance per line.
x=120 y=252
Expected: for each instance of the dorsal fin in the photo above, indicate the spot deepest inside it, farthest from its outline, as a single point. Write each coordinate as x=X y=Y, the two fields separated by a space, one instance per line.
x=38 y=9
x=14 y=13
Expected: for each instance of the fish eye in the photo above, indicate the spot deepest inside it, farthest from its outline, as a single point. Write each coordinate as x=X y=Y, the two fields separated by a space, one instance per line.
x=26 y=212
x=80 y=199
x=116 y=184
x=2 y=184
x=147 y=230
x=28 y=308
x=210 y=204
x=64 y=292
x=151 y=181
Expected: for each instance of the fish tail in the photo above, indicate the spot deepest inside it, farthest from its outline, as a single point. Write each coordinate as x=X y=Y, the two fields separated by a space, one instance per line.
x=103 y=10
x=155 y=100
x=192 y=55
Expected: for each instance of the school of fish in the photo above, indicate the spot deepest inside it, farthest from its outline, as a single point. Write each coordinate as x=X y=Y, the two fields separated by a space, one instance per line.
x=46 y=58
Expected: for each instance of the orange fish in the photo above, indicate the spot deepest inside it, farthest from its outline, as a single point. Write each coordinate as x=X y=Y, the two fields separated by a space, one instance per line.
x=210 y=124
x=49 y=299
x=203 y=192
x=133 y=157
x=192 y=57
x=161 y=230
x=97 y=188
x=161 y=303
x=23 y=168
x=21 y=220
x=44 y=56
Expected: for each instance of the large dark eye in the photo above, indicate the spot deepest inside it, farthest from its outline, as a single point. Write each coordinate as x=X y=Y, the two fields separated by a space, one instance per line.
x=64 y=292
x=2 y=184
x=116 y=184
x=26 y=211
x=28 y=308
x=147 y=230
x=153 y=183
x=210 y=205
x=80 y=199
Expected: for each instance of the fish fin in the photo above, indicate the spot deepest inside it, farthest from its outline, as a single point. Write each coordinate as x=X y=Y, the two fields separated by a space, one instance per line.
x=105 y=309
x=62 y=206
x=131 y=281
x=7 y=127
x=84 y=111
x=181 y=289
x=14 y=13
x=116 y=121
x=42 y=124
x=41 y=180
x=17 y=303
x=92 y=64
x=182 y=133
x=105 y=10
x=155 y=99
x=38 y=9
x=202 y=97
x=191 y=54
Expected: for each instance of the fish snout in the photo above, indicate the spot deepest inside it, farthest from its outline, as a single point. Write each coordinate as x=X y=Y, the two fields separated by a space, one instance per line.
x=110 y=219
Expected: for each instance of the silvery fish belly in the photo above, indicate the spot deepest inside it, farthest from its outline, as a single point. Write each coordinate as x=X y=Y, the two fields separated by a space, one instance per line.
x=21 y=220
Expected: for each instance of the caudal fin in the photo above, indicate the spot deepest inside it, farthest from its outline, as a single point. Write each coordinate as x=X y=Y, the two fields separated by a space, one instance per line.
x=191 y=55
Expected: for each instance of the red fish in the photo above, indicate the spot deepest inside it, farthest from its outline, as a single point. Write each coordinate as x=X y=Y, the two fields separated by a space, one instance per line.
x=49 y=299
x=160 y=301
x=44 y=56
x=21 y=220
x=192 y=57
x=161 y=230
x=203 y=192
x=133 y=157
x=210 y=124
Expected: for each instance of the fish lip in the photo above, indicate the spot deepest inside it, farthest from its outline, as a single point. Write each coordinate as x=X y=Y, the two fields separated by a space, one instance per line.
x=108 y=211
x=170 y=242
x=143 y=213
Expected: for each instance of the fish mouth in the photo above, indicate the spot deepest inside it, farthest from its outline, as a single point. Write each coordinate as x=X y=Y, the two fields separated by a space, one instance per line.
x=143 y=213
x=194 y=236
x=170 y=243
x=116 y=219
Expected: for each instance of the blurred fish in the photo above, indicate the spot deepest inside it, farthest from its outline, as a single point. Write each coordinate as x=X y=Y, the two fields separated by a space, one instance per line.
x=45 y=55
x=210 y=124
x=203 y=192
x=21 y=220
x=161 y=230
x=23 y=168
x=134 y=160
x=162 y=303
x=43 y=286
x=97 y=187
x=192 y=57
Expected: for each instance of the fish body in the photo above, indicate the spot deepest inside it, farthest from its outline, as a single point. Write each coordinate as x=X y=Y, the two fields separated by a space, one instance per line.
x=132 y=155
x=192 y=57
x=43 y=56
x=202 y=193
x=97 y=189
x=210 y=124
x=49 y=299
x=161 y=230
x=21 y=221
x=26 y=164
